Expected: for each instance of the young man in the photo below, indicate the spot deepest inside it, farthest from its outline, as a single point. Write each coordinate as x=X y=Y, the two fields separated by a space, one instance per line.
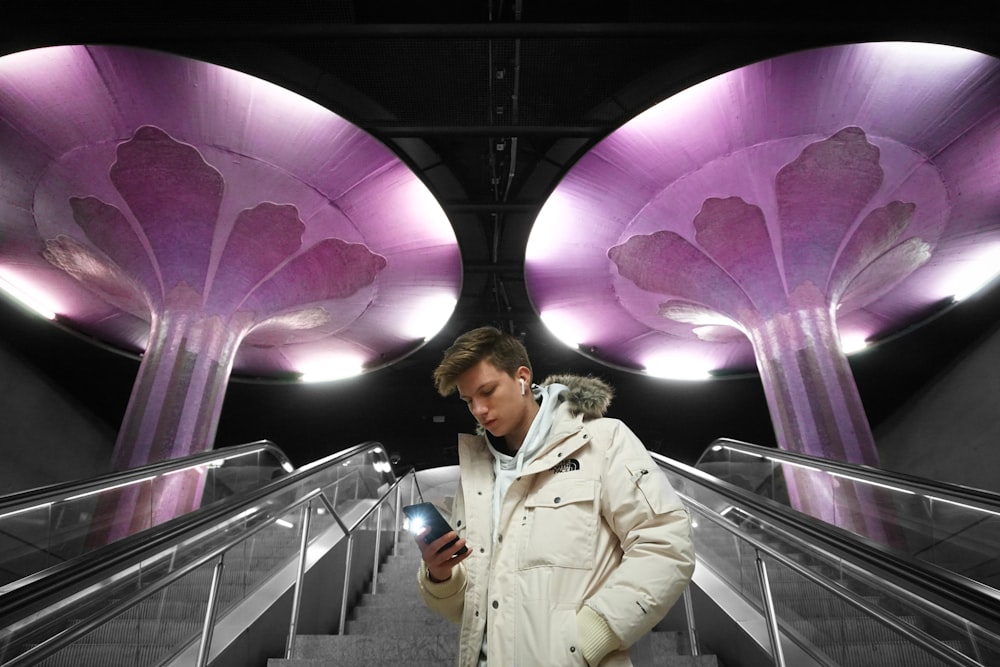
x=577 y=545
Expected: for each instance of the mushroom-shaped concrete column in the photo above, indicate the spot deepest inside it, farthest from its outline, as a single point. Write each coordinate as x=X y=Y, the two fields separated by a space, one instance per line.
x=763 y=217
x=788 y=307
x=201 y=307
x=211 y=222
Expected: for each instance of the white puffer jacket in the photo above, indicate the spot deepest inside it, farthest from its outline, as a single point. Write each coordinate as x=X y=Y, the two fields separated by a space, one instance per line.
x=591 y=521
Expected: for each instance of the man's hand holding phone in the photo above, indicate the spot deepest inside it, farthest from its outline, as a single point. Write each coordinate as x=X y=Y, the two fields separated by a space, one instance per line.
x=440 y=547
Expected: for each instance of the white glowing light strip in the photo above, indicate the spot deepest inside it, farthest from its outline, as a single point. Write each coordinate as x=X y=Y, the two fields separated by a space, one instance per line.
x=25 y=299
x=109 y=488
x=865 y=481
x=871 y=483
x=26 y=509
x=791 y=463
x=197 y=468
x=285 y=524
x=963 y=505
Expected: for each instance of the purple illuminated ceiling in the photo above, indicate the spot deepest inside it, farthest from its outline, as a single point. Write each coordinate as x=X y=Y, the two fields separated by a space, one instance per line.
x=862 y=178
x=133 y=182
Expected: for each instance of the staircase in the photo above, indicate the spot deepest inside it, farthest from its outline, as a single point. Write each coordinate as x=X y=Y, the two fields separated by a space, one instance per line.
x=393 y=628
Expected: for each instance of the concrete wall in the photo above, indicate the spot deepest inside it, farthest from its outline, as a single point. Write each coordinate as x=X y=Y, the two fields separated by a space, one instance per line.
x=950 y=431
x=45 y=436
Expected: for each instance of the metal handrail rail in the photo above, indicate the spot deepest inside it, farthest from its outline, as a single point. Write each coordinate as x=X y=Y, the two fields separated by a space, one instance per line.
x=186 y=525
x=14 y=503
x=978 y=498
x=927 y=642
x=80 y=629
x=968 y=594
x=166 y=534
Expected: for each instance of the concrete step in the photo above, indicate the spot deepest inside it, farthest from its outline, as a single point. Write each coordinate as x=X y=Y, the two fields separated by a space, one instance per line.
x=380 y=613
x=394 y=627
x=417 y=625
x=390 y=600
x=351 y=651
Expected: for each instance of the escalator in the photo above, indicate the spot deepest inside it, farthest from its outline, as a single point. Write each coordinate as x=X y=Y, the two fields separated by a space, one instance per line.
x=944 y=525
x=807 y=590
x=274 y=553
x=233 y=570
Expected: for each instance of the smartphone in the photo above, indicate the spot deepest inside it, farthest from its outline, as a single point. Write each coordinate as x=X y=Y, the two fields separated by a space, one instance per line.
x=426 y=514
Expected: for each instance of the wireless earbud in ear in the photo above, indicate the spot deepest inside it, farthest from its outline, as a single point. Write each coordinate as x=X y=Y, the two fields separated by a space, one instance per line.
x=522 y=386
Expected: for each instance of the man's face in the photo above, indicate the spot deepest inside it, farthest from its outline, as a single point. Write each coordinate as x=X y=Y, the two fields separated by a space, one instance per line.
x=494 y=397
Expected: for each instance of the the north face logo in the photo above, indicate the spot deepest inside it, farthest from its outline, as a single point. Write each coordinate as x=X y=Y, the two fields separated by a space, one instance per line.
x=569 y=465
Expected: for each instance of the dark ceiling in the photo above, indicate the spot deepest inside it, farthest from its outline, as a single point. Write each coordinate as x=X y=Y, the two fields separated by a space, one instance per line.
x=490 y=103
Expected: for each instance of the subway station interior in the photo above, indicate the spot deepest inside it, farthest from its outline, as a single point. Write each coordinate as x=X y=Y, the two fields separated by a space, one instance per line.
x=235 y=241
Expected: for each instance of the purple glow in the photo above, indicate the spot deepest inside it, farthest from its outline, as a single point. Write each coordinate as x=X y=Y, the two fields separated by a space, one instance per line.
x=215 y=222
x=926 y=112
x=66 y=112
x=762 y=217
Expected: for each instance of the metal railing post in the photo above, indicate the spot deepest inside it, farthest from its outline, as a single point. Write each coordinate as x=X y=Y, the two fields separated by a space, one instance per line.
x=299 y=576
x=209 y=624
x=689 y=614
x=378 y=548
x=772 y=618
x=395 y=521
x=347 y=582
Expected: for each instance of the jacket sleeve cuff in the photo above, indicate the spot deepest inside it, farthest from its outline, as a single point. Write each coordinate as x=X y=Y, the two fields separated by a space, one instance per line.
x=596 y=638
x=444 y=589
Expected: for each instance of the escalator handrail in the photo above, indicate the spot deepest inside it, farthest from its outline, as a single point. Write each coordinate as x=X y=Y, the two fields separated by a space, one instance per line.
x=978 y=498
x=134 y=548
x=21 y=501
x=52 y=645
x=927 y=642
x=960 y=592
x=70 y=635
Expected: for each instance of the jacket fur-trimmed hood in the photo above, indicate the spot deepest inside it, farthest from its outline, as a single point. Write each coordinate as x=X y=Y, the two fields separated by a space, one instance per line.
x=588 y=396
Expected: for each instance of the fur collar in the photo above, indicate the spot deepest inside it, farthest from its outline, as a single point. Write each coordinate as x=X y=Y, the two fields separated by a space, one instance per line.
x=588 y=395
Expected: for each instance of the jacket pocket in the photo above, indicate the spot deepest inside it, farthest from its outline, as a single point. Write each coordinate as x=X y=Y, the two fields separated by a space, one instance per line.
x=560 y=519
x=652 y=486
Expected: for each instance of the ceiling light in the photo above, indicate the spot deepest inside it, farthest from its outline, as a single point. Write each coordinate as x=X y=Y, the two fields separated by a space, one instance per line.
x=27 y=298
x=851 y=343
x=677 y=368
x=332 y=368
x=977 y=274
x=562 y=327
x=429 y=315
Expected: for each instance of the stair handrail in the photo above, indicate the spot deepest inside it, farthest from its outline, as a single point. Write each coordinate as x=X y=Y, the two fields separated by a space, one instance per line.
x=926 y=641
x=13 y=503
x=982 y=499
x=981 y=600
x=134 y=547
x=169 y=535
x=20 y=504
x=967 y=593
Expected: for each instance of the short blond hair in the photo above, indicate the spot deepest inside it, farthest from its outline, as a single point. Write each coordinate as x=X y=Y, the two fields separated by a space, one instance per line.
x=501 y=349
